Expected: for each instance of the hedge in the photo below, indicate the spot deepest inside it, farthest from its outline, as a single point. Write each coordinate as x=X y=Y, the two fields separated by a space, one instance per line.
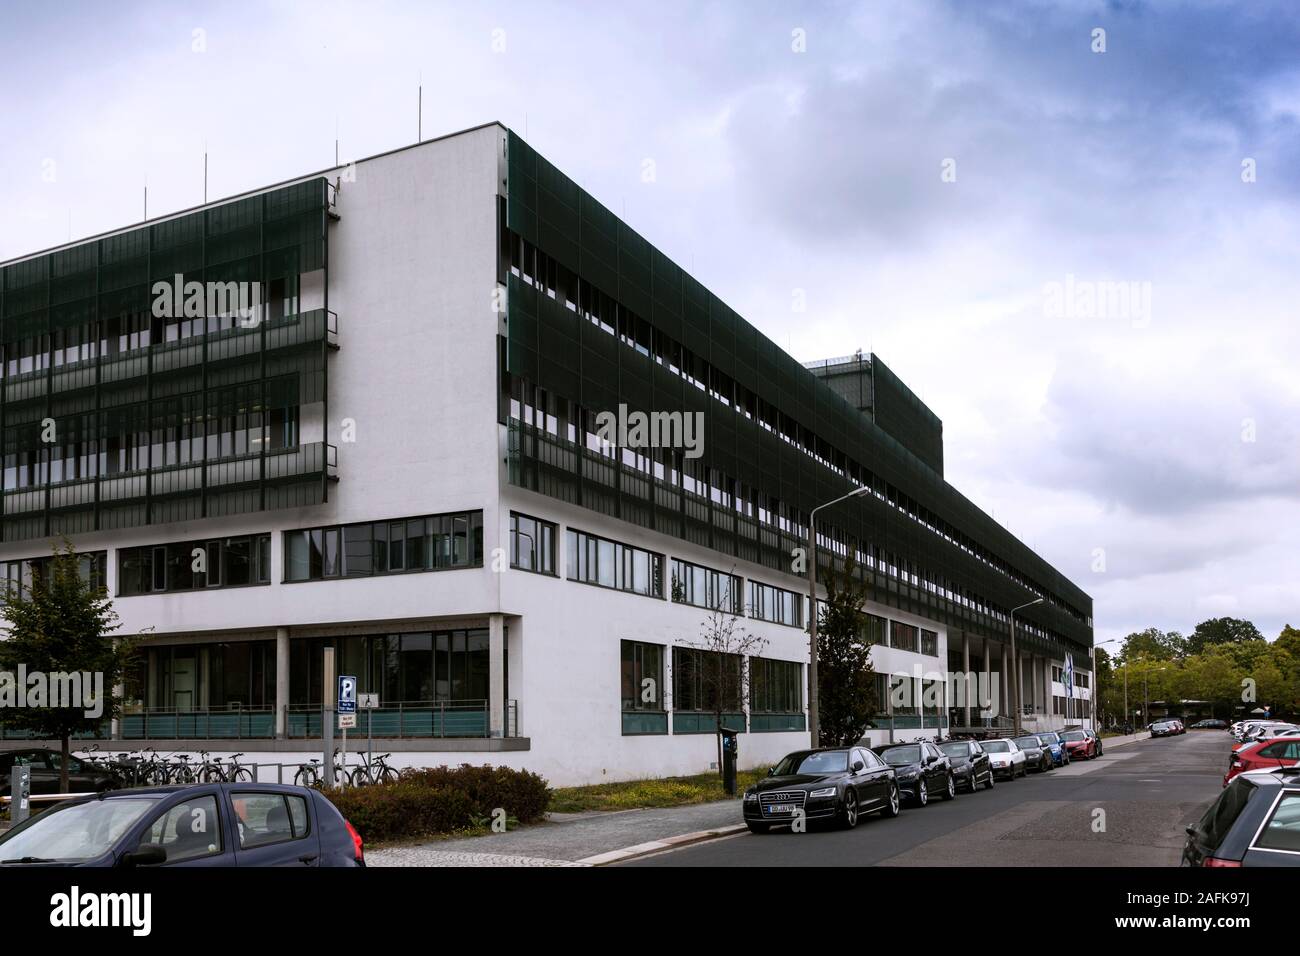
x=440 y=800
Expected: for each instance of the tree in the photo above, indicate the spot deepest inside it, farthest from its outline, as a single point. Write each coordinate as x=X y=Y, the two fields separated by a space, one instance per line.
x=1221 y=630
x=723 y=670
x=60 y=638
x=846 y=685
x=1154 y=644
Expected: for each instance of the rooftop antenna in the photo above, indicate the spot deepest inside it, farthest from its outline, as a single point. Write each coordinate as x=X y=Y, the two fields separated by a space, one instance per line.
x=419 y=110
x=336 y=141
x=205 y=172
x=146 y=200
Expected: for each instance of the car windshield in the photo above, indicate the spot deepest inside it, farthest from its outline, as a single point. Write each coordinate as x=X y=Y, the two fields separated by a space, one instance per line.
x=956 y=750
x=902 y=756
x=73 y=832
x=1050 y=738
x=1162 y=725
x=996 y=746
x=833 y=761
x=1029 y=743
x=1072 y=735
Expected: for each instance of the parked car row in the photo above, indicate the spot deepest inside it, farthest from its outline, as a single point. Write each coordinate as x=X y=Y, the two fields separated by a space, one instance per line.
x=842 y=784
x=1246 y=731
x=1168 y=728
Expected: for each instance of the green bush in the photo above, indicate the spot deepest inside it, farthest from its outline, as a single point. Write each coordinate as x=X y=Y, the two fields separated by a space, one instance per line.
x=440 y=800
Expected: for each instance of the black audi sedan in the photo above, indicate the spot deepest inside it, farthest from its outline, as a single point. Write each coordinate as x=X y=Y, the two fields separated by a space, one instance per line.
x=1038 y=757
x=970 y=764
x=838 y=784
x=921 y=770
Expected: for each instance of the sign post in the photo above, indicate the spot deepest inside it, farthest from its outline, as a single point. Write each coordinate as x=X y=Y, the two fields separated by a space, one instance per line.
x=369 y=702
x=347 y=712
x=327 y=718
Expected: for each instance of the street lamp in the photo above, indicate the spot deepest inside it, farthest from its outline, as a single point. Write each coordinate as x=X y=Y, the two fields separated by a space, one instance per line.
x=813 y=725
x=1015 y=660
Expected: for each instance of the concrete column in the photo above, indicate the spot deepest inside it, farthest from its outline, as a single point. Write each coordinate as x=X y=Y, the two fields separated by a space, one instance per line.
x=965 y=668
x=1005 y=681
x=496 y=675
x=281 y=682
x=988 y=677
x=115 y=725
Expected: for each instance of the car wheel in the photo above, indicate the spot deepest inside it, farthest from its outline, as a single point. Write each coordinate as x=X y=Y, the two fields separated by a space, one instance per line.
x=922 y=793
x=849 y=815
x=951 y=792
x=893 y=804
x=973 y=781
x=757 y=827
x=988 y=784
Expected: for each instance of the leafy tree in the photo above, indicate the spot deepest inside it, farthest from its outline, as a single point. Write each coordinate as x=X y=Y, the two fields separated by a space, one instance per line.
x=846 y=684
x=1221 y=630
x=62 y=625
x=1154 y=644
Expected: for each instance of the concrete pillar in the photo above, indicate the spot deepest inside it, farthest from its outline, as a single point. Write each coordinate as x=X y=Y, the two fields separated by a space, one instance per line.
x=988 y=678
x=1004 y=680
x=281 y=682
x=496 y=675
x=965 y=669
x=115 y=725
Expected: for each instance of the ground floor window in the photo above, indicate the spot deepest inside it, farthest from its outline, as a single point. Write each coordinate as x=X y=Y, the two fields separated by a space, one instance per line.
x=642 y=678
x=203 y=677
x=775 y=687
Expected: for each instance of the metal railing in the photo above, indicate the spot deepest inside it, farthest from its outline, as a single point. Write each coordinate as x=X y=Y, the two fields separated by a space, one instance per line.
x=419 y=718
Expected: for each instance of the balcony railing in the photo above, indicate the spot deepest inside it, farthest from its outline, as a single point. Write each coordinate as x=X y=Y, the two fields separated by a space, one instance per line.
x=284 y=332
x=314 y=458
x=441 y=718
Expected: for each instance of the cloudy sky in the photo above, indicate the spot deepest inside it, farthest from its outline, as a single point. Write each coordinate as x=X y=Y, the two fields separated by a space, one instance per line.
x=947 y=185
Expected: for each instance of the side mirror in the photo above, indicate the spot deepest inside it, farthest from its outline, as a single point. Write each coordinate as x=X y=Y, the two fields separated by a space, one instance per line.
x=771 y=771
x=146 y=854
x=858 y=766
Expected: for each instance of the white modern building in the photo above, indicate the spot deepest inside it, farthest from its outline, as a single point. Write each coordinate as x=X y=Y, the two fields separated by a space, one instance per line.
x=397 y=457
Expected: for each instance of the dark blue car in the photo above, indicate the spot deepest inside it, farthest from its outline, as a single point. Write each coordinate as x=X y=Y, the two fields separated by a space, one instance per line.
x=218 y=824
x=1056 y=746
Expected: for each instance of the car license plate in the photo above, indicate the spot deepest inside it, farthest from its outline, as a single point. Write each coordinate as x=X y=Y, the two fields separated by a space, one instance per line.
x=781 y=808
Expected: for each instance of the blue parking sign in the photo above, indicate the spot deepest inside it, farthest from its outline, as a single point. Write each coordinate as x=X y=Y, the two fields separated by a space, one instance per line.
x=347 y=695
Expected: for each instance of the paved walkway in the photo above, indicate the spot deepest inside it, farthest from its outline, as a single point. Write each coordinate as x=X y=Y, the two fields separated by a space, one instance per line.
x=567 y=839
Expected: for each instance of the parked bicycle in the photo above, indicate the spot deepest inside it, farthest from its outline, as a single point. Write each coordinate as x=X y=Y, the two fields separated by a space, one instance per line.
x=376 y=771
x=311 y=773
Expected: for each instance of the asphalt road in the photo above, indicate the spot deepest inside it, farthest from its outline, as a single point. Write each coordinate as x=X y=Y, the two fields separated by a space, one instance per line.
x=1147 y=792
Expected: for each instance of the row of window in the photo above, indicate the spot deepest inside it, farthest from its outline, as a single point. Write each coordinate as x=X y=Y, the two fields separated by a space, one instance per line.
x=428 y=543
x=194 y=565
x=17 y=577
x=1080 y=677
x=1071 y=707
x=703 y=678
x=593 y=559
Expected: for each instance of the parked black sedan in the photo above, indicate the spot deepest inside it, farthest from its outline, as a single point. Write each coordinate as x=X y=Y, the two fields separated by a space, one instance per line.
x=45 y=763
x=922 y=770
x=1038 y=757
x=838 y=784
x=970 y=764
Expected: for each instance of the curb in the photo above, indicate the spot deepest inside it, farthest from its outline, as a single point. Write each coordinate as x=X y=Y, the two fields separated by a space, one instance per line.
x=655 y=846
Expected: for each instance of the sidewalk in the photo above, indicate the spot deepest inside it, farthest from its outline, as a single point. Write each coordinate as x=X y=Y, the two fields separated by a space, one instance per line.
x=575 y=839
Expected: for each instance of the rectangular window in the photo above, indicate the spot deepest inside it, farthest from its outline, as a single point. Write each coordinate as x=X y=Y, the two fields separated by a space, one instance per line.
x=703 y=678
x=775 y=687
x=770 y=603
x=532 y=544
x=16 y=577
x=929 y=643
x=226 y=563
x=642 y=676
x=385 y=547
x=611 y=564
x=704 y=587
x=875 y=630
x=904 y=637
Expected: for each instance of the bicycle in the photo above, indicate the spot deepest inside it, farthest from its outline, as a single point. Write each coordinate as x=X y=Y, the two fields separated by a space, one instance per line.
x=237 y=773
x=181 y=772
x=309 y=774
x=376 y=771
x=210 y=770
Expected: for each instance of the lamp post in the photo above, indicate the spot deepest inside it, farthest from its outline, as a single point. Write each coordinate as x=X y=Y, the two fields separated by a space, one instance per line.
x=1015 y=659
x=814 y=729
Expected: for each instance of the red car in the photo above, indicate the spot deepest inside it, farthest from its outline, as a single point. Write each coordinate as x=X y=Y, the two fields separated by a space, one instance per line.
x=1080 y=744
x=1264 y=755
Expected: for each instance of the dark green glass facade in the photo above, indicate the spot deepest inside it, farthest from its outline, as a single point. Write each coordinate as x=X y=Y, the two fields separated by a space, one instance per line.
x=928 y=549
x=113 y=417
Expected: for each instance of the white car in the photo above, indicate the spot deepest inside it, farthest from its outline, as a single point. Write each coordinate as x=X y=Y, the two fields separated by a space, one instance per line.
x=1281 y=730
x=1006 y=758
x=1254 y=728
